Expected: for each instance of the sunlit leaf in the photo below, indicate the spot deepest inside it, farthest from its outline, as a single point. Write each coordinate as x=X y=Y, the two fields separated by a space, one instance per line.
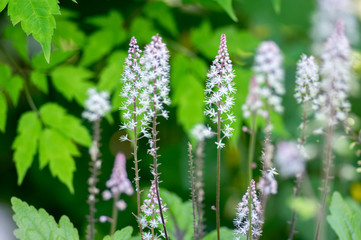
x=227 y=6
x=124 y=234
x=26 y=143
x=40 y=80
x=38 y=224
x=57 y=57
x=3 y=4
x=36 y=18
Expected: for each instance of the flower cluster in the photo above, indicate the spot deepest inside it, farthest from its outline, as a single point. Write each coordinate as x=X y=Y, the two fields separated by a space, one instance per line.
x=307 y=80
x=135 y=100
x=155 y=76
x=254 y=104
x=242 y=216
x=336 y=77
x=118 y=182
x=97 y=105
x=201 y=132
x=151 y=218
x=267 y=183
x=289 y=159
x=324 y=19
x=220 y=90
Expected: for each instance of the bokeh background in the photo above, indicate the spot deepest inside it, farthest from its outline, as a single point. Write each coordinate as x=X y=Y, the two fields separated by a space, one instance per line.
x=191 y=29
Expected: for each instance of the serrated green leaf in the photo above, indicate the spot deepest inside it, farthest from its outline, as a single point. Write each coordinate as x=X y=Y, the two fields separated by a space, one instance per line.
x=123 y=234
x=26 y=143
x=40 y=80
x=58 y=151
x=227 y=6
x=343 y=220
x=111 y=75
x=57 y=57
x=160 y=12
x=143 y=29
x=277 y=6
x=55 y=116
x=38 y=224
x=36 y=18
x=3 y=4
x=18 y=38
x=72 y=82
x=14 y=87
x=3 y=110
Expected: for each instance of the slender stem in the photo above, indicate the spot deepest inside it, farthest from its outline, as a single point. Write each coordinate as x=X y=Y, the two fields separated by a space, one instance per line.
x=193 y=190
x=113 y=226
x=218 y=171
x=199 y=189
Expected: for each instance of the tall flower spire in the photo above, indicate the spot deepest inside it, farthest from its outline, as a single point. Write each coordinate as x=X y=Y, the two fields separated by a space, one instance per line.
x=336 y=77
x=219 y=100
x=155 y=77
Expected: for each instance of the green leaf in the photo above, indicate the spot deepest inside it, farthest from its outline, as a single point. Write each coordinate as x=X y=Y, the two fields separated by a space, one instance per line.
x=277 y=6
x=55 y=116
x=113 y=20
x=40 y=80
x=143 y=29
x=68 y=36
x=124 y=234
x=225 y=233
x=57 y=57
x=26 y=143
x=14 y=87
x=227 y=6
x=160 y=12
x=111 y=74
x=3 y=110
x=345 y=222
x=38 y=224
x=18 y=38
x=180 y=220
x=36 y=18
x=3 y=4
x=72 y=82
x=58 y=151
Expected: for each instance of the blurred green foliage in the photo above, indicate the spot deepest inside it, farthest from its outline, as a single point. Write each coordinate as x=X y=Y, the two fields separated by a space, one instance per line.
x=42 y=97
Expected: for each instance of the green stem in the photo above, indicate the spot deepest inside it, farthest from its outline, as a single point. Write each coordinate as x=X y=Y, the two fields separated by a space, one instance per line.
x=252 y=145
x=218 y=173
x=113 y=226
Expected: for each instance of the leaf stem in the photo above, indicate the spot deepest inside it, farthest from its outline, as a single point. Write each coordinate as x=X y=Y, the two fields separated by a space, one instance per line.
x=113 y=226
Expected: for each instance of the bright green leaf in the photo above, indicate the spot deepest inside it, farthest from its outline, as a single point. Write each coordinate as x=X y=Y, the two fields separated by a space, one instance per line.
x=18 y=38
x=55 y=116
x=58 y=151
x=57 y=57
x=124 y=234
x=26 y=143
x=3 y=4
x=160 y=12
x=39 y=80
x=5 y=73
x=3 y=110
x=111 y=75
x=227 y=6
x=72 y=82
x=14 y=87
x=38 y=224
x=345 y=222
x=36 y=18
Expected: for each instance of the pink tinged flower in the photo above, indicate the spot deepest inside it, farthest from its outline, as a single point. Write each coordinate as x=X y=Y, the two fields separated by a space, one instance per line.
x=220 y=87
x=241 y=222
x=119 y=182
x=97 y=105
x=307 y=80
x=269 y=75
x=289 y=159
x=336 y=77
x=267 y=183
